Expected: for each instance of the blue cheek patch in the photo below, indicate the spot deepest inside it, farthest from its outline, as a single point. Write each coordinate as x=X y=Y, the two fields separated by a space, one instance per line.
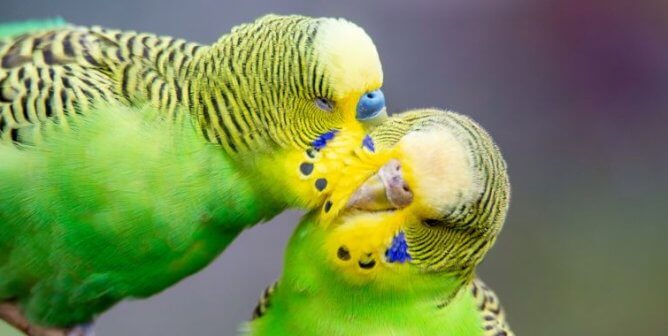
x=321 y=141
x=398 y=252
x=368 y=143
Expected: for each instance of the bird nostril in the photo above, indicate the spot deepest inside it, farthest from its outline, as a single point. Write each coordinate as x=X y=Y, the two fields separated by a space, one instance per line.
x=370 y=95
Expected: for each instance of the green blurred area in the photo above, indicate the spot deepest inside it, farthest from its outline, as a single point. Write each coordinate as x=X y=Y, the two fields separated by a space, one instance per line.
x=574 y=92
x=6 y=330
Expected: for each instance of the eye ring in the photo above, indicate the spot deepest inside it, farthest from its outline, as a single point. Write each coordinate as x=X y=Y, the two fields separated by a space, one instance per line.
x=324 y=104
x=431 y=222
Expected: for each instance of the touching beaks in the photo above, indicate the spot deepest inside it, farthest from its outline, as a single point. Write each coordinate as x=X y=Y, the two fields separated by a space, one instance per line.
x=386 y=190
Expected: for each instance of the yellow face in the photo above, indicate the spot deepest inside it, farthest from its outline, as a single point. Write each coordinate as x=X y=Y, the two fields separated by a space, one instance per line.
x=357 y=246
x=379 y=247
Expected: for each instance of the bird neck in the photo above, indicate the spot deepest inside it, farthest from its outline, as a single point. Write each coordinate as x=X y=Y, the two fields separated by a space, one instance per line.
x=222 y=114
x=308 y=261
x=310 y=288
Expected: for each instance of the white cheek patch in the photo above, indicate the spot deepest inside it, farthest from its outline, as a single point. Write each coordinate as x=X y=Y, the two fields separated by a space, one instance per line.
x=442 y=171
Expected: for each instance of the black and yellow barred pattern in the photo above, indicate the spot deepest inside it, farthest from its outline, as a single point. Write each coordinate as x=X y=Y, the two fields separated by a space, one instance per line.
x=491 y=312
x=265 y=301
x=458 y=241
x=56 y=75
x=272 y=102
x=238 y=89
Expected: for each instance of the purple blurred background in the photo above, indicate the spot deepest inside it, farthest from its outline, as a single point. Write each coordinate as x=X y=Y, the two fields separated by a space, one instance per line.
x=574 y=92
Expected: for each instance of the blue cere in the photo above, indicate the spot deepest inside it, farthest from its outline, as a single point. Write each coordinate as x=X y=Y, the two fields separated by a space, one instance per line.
x=398 y=252
x=370 y=105
x=321 y=141
x=368 y=143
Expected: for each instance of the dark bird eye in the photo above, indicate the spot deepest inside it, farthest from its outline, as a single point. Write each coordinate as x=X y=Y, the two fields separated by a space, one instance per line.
x=324 y=104
x=431 y=222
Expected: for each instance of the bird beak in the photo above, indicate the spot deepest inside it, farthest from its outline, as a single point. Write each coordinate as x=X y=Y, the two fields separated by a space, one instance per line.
x=386 y=190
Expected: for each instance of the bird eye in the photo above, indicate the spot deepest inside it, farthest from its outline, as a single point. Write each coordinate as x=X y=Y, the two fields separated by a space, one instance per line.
x=324 y=104
x=431 y=222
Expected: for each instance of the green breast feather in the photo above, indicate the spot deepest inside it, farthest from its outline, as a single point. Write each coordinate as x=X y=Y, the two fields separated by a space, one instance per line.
x=101 y=202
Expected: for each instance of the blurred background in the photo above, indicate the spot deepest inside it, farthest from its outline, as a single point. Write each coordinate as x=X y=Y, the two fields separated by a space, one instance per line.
x=574 y=91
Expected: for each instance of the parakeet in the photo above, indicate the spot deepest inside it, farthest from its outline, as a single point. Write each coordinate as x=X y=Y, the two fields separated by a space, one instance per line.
x=129 y=161
x=409 y=271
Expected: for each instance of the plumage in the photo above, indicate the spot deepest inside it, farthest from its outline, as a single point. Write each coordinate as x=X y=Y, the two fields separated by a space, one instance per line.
x=405 y=272
x=129 y=161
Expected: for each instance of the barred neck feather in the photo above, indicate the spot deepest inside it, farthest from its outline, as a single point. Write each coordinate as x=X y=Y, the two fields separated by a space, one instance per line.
x=255 y=87
x=240 y=94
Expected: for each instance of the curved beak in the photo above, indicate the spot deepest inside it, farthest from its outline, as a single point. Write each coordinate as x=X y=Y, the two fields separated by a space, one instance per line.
x=386 y=190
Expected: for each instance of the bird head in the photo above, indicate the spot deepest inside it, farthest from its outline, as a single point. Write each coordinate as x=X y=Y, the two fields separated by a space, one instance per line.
x=295 y=78
x=300 y=94
x=460 y=190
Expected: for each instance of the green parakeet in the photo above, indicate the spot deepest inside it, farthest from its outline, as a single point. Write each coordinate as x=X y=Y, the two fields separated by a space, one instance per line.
x=409 y=271
x=129 y=161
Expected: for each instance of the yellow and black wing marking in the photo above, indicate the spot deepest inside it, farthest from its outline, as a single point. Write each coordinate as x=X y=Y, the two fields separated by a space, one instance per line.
x=57 y=74
x=265 y=301
x=49 y=75
x=492 y=314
